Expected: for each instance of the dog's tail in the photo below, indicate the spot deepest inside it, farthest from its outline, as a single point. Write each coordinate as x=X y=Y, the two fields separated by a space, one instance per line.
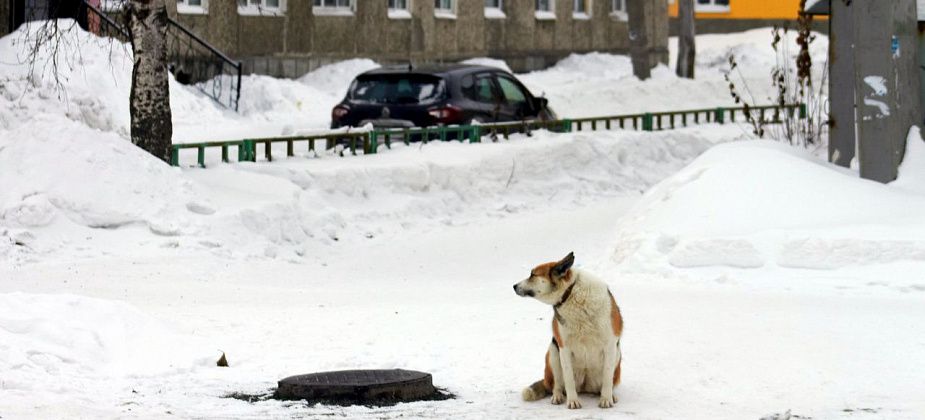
x=535 y=391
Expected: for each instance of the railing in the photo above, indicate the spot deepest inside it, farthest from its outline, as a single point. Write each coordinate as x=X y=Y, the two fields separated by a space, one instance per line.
x=247 y=149
x=93 y=20
x=191 y=59
x=195 y=61
x=369 y=141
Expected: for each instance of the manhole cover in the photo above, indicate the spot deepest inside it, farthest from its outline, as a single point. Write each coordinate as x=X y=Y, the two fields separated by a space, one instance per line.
x=364 y=387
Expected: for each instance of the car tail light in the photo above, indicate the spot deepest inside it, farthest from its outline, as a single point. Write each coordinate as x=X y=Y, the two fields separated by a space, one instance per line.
x=339 y=112
x=447 y=114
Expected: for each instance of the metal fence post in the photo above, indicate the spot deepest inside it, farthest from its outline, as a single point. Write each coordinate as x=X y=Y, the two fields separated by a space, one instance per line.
x=250 y=151
x=174 y=156
x=373 y=142
x=720 y=115
x=647 y=122
x=475 y=135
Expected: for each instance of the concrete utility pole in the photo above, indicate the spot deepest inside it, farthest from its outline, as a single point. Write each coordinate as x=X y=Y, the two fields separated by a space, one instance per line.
x=886 y=82
x=639 y=23
x=841 y=84
x=686 y=34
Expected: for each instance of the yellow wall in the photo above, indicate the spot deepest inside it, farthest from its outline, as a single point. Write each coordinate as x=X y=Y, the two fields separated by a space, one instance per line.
x=748 y=9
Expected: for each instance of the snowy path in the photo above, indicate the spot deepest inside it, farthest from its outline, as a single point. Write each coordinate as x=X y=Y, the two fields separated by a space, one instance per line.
x=441 y=301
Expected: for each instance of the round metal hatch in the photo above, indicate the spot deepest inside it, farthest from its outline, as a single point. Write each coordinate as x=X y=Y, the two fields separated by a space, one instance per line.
x=359 y=387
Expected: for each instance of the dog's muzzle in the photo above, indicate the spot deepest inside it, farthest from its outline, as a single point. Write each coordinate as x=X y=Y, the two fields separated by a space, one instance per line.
x=526 y=293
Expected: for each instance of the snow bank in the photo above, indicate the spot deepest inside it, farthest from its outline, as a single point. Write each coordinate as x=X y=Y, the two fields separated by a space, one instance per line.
x=292 y=205
x=94 y=78
x=751 y=49
x=278 y=106
x=912 y=170
x=333 y=79
x=594 y=84
x=94 y=98
x=74 y=174
x=53 y=343
x=97 y=180
x=64 y=158
x=751 y=204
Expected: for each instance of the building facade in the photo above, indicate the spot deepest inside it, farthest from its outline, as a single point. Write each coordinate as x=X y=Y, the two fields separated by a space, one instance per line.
x=290 y=37
x=724 y=16
x=287 y=38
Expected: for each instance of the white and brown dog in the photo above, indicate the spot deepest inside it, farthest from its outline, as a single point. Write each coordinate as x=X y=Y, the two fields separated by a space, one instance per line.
x=584 y=355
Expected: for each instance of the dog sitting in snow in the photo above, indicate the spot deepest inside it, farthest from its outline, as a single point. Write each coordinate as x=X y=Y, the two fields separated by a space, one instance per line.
x=584 y=355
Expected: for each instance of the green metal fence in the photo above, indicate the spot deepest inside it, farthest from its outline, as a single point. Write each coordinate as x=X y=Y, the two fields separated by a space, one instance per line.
x=369 y=141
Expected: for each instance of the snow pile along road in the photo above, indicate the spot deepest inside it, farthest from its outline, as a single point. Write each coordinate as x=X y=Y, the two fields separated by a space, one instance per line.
x=753 y=204
x=595 y=84
x=289 y=207
x=60 y=344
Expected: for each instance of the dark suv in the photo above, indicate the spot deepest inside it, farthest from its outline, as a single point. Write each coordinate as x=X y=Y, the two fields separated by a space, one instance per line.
x=402 y=97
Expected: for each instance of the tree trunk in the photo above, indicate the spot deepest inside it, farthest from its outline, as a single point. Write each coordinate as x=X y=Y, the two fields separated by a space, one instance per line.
x=149 y=100
x=686 y=32
x=639 y=23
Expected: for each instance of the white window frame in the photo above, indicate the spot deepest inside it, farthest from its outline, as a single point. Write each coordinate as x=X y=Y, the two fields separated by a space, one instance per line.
x=183 y=7
x=111 y=5
x=711 y=8
x=546 y=14
x=582 y=15
x=495 y=12
x=334 y=10
x=261 y=9
x=399 y=12
x=619 y=13
x=446 y=13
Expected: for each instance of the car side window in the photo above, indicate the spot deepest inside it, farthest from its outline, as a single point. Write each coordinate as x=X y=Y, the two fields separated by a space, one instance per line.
x=513 y=93
x=481 y=89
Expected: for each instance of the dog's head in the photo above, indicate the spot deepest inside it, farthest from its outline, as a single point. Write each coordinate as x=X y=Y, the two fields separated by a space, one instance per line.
x=546 y=279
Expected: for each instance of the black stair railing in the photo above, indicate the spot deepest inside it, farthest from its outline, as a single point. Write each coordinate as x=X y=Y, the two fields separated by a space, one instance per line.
x=192 y=60
x=195 y=61
x=93 y=20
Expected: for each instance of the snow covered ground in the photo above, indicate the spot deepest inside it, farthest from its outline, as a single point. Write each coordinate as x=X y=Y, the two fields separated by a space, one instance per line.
x=754 y=279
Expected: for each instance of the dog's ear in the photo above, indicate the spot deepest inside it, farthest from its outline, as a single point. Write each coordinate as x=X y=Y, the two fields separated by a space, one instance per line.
x=562 y=267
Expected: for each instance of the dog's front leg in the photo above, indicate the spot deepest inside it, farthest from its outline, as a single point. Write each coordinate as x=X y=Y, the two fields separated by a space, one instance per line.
x=568 y=378
x=558 y=387
x=611 y=358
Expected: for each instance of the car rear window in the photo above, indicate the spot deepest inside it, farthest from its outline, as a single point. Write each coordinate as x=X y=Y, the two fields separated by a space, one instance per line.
x=398 y=88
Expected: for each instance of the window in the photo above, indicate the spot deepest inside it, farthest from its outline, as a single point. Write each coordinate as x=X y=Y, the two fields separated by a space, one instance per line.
x=479 y=90
x=261 y=7
x=445 y=9
x=399 y=9
x=581 y=9
x=398 y=89
x=332 y=7
x=712 y=6
x=513 y=94
x=545 y=9
x=494 y=9
x=111 y=5
x=192 y=7
x=618 y=9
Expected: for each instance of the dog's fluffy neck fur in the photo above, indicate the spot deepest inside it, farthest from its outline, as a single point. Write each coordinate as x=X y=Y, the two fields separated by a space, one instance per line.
x=581 y=298
x=555 y=298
